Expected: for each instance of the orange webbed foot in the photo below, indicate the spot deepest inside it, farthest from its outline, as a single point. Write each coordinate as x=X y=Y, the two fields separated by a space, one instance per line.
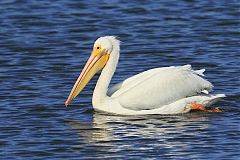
x=196 y=106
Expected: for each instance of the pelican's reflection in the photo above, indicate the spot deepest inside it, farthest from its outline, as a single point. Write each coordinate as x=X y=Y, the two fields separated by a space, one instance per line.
x=112 y=130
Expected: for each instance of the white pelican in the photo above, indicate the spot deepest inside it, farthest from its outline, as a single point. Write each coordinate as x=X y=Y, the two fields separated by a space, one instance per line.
x=166 y=90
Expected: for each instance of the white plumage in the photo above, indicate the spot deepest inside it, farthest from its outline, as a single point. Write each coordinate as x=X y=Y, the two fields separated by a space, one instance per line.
x=167 y=90
x=174 y=83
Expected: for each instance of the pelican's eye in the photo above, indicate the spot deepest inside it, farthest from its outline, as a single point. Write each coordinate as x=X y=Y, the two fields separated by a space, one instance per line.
x=98 y=47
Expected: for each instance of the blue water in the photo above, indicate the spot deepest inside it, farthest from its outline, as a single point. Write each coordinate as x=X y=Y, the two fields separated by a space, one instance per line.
x=45 y=44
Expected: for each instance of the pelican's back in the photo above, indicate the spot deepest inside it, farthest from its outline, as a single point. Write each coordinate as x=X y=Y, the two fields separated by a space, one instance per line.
x=158 y=87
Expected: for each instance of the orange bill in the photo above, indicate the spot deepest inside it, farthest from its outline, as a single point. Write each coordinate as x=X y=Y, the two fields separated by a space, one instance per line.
x=96 y=62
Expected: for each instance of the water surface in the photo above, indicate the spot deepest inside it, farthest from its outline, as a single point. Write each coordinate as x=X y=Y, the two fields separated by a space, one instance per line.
x=44 y=45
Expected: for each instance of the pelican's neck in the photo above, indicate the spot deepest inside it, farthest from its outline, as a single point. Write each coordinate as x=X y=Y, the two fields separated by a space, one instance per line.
x=100 y=91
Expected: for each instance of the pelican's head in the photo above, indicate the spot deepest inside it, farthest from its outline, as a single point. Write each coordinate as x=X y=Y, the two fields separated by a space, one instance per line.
x=102 y=49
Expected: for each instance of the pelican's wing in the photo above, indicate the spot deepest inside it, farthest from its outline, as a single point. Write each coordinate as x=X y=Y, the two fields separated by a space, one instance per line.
x=132 y=80
x=157 y=87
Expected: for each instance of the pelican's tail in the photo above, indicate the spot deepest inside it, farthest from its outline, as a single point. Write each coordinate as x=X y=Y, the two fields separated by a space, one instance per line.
x=212 y=99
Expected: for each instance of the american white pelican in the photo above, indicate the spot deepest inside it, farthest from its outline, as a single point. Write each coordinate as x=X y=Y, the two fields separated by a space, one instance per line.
x=166 y=90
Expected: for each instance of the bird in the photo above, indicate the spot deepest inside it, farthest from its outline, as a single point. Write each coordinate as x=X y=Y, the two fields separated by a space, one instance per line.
x=164 y=90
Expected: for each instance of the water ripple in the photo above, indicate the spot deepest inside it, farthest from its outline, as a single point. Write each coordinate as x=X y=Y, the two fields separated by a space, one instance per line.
x=45 y=44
